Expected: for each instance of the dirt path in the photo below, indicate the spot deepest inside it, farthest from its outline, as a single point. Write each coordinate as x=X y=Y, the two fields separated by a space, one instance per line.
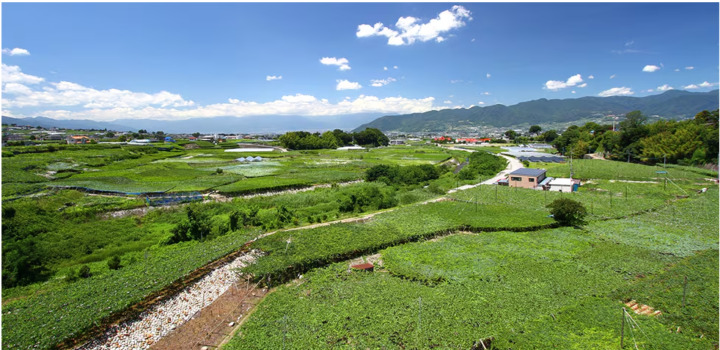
x=215 y=323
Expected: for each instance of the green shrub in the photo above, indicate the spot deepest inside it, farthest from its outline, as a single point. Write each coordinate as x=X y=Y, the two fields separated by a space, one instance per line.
x=84 y=271
x=114 y=263
x=568 y=212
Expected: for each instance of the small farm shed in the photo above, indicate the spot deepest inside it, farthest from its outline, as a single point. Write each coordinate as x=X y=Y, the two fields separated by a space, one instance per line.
x=563 y=185
x=526 y=177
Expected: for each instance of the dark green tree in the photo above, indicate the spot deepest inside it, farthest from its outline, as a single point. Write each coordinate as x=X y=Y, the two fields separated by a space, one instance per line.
x=535 y=129
x=568 y=212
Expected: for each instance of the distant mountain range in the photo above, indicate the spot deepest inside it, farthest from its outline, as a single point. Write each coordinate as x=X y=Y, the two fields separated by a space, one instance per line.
x=673 y=104
x=229 y=125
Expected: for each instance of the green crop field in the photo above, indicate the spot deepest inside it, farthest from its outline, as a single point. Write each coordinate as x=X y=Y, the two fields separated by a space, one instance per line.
x=507 y=243
x=552 y=288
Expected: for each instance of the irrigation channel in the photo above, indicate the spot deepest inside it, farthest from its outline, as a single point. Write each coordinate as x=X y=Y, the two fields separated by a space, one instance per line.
x=205 y=311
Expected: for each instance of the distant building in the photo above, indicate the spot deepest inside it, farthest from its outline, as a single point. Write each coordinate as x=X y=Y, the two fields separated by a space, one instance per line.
x=563 y=185
x=526 y=177
x=79 y=139
x=397 y=142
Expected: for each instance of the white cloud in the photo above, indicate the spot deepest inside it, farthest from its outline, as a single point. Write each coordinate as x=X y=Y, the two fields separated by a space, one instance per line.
x=617 y=91
x=347 y=85
x=649 y=90
x=557 y=85
x=16 y=89
x=689 y=67
x=71 y=94
x=572 y=91
x=650 y=68
x=384 y=68
x=342 y=63
x=273 y=77
x=481 y=103
x=68 y=100
x=664 y=87
x=473 y=40
x=13 y=74
x=612 y=76
x=455 y=81
x=486 y=93
x=582 y=85
x=16 y=52
x=382 y=82
x=704 y=84
x=395 y=67
x=409 y=29
x=488 y=75
x=447 y=102
x=591 y=77
x=298 y=104
x=677 y=69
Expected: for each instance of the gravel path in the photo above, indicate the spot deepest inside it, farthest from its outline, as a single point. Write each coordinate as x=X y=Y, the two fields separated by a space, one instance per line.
x=160 y=320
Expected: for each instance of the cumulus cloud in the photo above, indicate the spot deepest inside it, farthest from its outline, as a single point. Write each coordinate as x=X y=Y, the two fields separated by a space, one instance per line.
x=384 y=68
x=488 y=75
x=13 y=74
x=382 y=82
x=409 y=29
x=298 y=104
x=650 y=68
x=273 y=77
x=347 y=85
x=617 y=91
x=704 y=84
x=16 y=52
x=71 y=94
x=665 y=87
x=342 y=63
x=68 y=100
x=555 y=85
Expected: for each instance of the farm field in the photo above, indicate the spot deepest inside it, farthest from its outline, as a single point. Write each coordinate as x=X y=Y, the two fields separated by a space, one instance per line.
x=525 y=288
x=504 y=230
x=90 y=230
x=139 y=169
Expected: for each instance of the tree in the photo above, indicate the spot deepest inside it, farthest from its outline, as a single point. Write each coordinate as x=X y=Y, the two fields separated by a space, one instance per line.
x=549 y=136
x=122 y=138
x=510 y=134
x=196 y=134
x=535 y=129
x=568 y=212
x=109 y=134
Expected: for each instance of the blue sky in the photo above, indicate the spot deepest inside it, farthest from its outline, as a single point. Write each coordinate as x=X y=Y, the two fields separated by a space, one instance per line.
x=107 y=61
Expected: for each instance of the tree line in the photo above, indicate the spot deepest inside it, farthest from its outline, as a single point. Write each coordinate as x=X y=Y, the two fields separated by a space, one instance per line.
x=303 y=140
x=688 y=142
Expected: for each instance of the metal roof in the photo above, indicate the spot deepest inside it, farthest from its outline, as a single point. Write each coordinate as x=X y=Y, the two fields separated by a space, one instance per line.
x=528 y=172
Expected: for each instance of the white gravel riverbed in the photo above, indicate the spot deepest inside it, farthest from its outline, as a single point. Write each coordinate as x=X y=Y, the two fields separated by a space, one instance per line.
x=155 y=323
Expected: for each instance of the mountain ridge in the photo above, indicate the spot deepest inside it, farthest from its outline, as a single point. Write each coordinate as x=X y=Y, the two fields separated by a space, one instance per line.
x=673 y=104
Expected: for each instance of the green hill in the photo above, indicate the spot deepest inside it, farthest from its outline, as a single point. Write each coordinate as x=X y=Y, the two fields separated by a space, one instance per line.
x=672 y=104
